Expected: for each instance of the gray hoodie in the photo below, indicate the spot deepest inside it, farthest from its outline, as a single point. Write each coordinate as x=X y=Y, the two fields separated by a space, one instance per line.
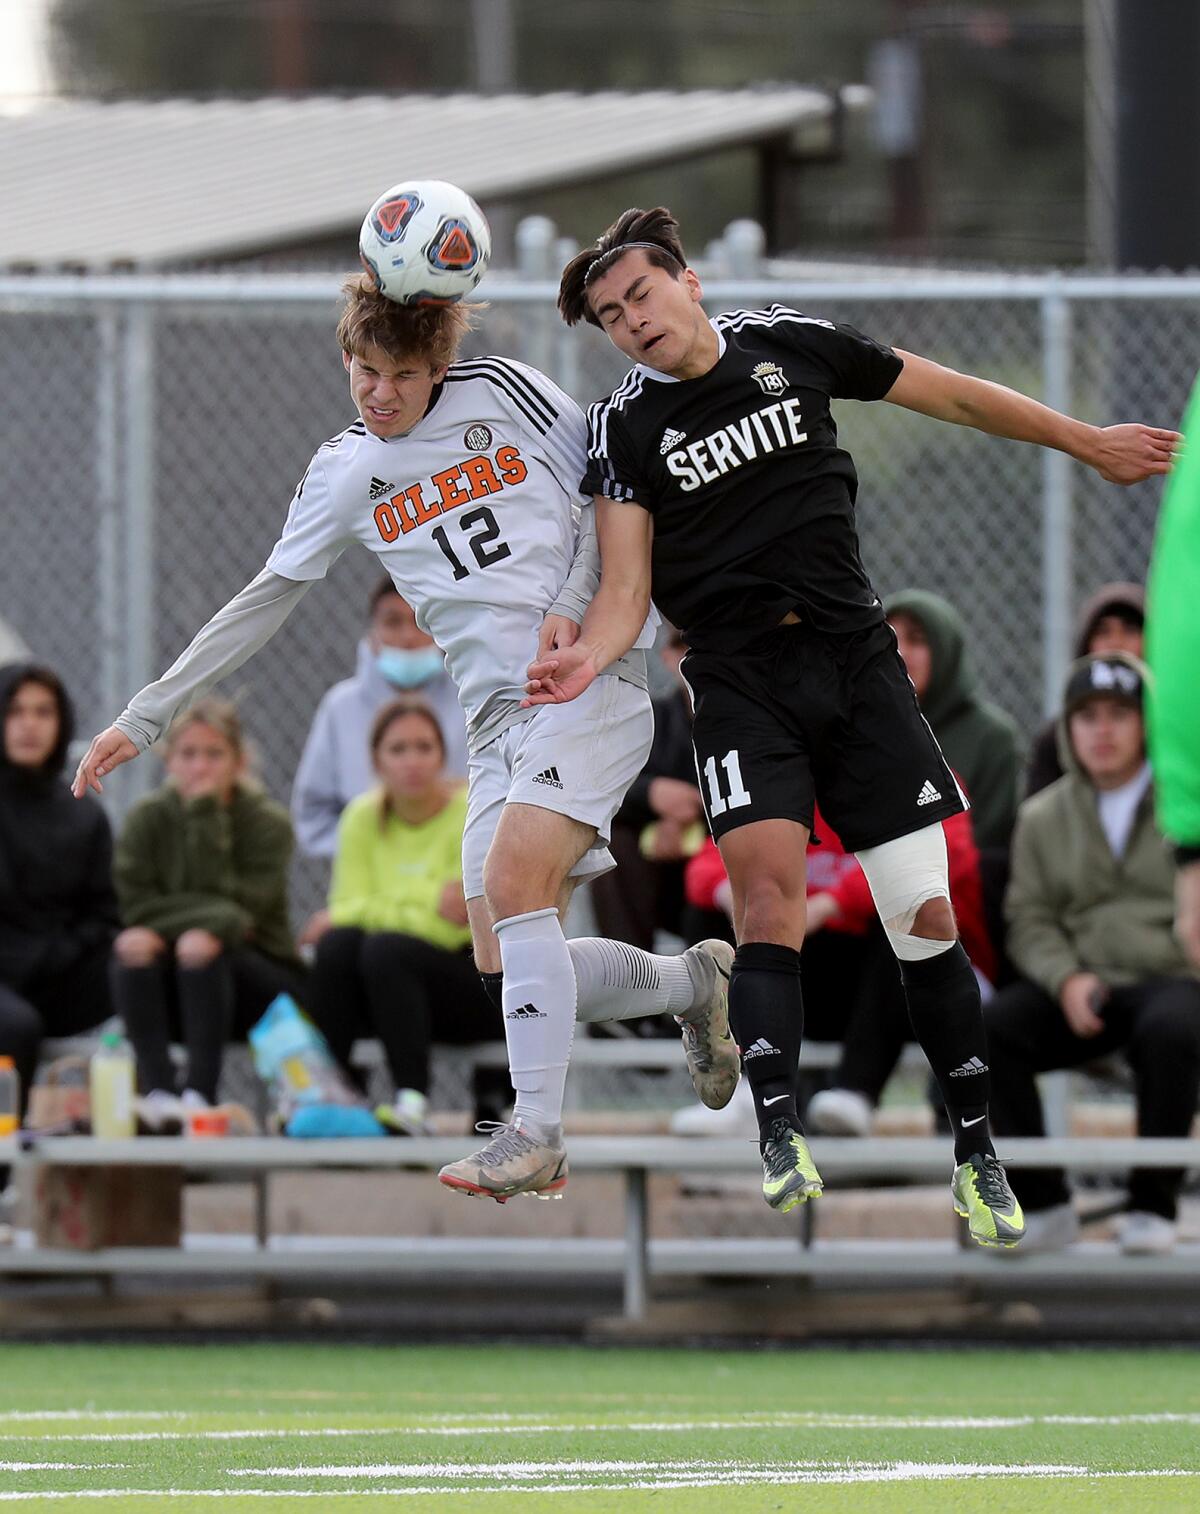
x=335 y=765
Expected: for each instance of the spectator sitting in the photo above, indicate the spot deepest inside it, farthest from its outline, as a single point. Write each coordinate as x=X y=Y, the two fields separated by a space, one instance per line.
x=659 y=826
x=58 y=910
x=851 y=983
x=201 y=873
x=979 y=740
x=395 y=962
x=1090 y=908
x=1112 y=620
x=395 y=655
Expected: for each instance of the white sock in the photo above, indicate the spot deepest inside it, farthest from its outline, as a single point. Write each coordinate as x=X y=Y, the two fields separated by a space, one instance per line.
x=621 y=982
x=539 y=1015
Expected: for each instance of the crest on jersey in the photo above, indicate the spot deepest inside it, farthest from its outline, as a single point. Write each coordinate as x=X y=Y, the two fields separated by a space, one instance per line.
x=477 y=438
x=769 y=377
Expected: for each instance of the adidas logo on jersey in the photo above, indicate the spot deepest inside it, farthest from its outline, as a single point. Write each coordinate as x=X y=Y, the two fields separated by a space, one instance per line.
x=526 y=1012
x=670 y=441
x=760 y=1048
x=928 y=794
x=550 y=778
x=970 y=1068
x=379 y=488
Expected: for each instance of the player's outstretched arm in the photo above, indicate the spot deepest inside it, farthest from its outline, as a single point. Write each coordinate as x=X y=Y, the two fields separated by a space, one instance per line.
x=1123 y=454
x=234 y=633
x=616 y=615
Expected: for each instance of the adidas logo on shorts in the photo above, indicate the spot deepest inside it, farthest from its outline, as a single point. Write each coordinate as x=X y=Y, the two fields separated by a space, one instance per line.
x=379 y=488
x=550 y=778
x=760 y=1048
x=928 y=794
x=526 y=1012
x=970 y=1068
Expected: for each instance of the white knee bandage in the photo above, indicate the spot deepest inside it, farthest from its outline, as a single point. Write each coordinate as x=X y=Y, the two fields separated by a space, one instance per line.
x=902 y=875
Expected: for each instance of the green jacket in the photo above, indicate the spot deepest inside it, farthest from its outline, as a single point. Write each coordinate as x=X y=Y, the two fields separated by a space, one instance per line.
x=193 y=864
x=1173 y=645
x=978 y=740
x=1072 y=906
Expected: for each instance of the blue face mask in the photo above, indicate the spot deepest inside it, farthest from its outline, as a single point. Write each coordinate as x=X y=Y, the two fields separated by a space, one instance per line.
x=405 y=669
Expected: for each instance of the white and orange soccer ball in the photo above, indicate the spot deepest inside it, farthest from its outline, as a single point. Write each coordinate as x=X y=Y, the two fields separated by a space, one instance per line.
x=425 y=242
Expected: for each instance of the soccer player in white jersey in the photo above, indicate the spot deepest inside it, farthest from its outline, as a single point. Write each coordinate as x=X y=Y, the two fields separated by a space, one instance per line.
x=463 y=479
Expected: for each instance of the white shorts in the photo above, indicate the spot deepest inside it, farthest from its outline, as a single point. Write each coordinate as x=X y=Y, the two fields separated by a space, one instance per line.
x=577 y=759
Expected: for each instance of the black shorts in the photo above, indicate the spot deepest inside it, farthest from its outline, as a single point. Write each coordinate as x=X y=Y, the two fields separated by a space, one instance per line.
x=801 y=715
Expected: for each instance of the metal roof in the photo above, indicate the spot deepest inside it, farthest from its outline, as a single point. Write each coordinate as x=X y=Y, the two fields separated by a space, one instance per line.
x=151 y=182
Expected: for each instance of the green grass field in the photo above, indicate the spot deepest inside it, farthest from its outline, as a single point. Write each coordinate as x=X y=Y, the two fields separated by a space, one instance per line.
x=501 y=1428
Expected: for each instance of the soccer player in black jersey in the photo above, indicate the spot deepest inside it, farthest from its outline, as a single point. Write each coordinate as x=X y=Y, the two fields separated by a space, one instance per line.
x=721 y=487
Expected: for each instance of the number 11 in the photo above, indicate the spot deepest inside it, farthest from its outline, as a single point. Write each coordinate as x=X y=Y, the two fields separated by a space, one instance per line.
x=739 y=795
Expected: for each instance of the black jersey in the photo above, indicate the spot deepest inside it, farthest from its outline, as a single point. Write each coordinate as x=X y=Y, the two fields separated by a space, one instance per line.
x=752 y=498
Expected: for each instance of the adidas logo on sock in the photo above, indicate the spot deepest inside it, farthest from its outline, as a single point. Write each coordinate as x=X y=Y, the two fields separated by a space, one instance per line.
x=670 y=441
x=928 y=794
x=550 y=778
x=526 y=1012
x=379 y=488
x=760 y=1048
x=970 y=1068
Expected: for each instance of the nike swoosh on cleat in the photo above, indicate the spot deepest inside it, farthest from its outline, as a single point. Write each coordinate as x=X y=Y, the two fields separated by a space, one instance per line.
x=975 y=1121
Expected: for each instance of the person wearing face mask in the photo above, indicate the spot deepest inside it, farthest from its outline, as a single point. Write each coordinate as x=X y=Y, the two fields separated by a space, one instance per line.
x=394 y=657
x=396 y=962
x=58 y=909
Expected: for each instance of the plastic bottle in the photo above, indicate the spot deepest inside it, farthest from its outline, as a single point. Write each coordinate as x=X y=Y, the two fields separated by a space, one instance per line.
x=111 y=1084
x=10 y=1097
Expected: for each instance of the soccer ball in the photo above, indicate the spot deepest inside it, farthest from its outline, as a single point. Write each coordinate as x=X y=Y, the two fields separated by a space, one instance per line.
x=425 y=242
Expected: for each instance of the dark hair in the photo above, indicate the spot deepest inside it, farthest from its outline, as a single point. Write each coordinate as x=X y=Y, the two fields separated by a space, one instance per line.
x=382 y=589
x=655 y=231
x=401 y=708
x=13 y=679
x=429 y=332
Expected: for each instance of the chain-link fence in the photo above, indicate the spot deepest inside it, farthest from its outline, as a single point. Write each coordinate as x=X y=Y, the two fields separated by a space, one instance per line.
x=153 y=430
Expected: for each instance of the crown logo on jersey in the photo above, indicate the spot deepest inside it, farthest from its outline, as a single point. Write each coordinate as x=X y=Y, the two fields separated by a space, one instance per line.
x=769 y=377
x=379 y=488
x=477 y=437
x=670 y=441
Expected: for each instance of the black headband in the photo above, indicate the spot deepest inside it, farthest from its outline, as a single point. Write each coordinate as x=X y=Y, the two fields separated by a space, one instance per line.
x=611 y=254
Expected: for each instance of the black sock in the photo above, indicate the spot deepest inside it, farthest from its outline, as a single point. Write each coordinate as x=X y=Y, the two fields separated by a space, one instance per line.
x=766 y=1012
x=947 y=1019
x=493 y=986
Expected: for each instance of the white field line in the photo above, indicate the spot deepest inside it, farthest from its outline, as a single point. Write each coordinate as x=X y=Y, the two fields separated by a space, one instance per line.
x=503 y=1426
x=900 y=1472
x=61 y=1466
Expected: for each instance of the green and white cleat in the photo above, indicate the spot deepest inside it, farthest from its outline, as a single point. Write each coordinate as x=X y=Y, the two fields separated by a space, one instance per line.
x=983 y=1198
x=712 y=1055
x=513 y=1162
x=789 y=1174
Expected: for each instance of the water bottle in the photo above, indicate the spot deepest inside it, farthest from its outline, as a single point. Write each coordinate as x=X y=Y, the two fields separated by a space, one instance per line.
x=111 y=1084
x=10 y=1097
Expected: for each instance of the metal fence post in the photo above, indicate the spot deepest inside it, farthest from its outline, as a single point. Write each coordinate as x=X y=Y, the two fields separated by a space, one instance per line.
x=108 y=495
x=1056 y=503
x=138 y=581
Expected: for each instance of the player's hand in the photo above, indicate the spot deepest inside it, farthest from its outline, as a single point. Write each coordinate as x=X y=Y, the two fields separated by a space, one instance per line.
x=560 y=677
x=1080 y=997
x=558 y=632
x=1128 y=454
x=107 y=751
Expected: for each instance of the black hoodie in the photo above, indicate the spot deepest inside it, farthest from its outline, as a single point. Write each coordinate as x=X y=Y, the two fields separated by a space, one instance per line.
x=56 y=893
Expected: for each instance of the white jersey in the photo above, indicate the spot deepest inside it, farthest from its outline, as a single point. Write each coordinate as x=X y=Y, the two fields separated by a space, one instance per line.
x=474 y=513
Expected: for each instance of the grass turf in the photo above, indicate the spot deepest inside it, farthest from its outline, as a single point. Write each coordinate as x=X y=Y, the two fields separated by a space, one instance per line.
x=502 y=1428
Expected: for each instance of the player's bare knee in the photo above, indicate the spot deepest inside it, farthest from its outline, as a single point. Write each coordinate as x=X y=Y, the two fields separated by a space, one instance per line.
x=515 y=885
x=935 y=921
x=770 y=909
